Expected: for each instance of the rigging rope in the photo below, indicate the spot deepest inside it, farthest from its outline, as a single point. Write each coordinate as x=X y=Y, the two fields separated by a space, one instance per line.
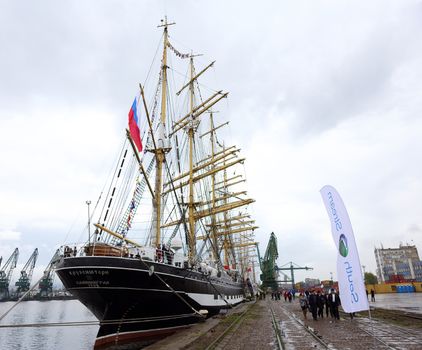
x=182 y=212
x=111 y=184
x=172 y=290
x=153 y=60
x=21 y=298
x=122 y=194
x=127 y=219
x=114 y=188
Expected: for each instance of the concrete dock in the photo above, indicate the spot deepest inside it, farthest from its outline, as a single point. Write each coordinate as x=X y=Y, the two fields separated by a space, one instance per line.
x=270 y=324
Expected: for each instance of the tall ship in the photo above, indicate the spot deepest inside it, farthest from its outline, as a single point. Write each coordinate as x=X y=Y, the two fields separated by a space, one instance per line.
x=170 y=239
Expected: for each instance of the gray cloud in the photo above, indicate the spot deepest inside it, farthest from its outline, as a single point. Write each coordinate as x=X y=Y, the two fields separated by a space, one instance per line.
x=298 y=74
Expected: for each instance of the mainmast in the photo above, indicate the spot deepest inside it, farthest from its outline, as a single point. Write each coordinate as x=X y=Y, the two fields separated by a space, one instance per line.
x=191 y=203
x=198 y=170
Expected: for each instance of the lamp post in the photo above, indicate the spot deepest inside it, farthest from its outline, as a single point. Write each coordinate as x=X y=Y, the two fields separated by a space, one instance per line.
x=89 y=222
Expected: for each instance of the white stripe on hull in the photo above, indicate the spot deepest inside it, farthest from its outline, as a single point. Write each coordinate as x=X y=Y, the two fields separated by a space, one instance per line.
x=207 y=300
x=202 y=299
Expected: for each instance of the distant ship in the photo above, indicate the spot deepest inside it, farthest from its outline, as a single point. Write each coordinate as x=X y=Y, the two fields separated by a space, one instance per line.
x=191 y=258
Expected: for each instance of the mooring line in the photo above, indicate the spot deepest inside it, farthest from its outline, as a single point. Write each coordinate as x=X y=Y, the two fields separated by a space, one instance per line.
x=52 y=324
x=20 y=299
x=172 y=290
x=95 y=322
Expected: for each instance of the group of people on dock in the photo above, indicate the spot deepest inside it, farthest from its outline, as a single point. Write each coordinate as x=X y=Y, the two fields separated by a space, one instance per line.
x=315 y=301
x=288 y=295
x=372 y=295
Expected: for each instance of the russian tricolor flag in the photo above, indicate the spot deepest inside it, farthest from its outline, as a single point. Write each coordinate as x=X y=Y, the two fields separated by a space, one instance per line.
x=134 y=128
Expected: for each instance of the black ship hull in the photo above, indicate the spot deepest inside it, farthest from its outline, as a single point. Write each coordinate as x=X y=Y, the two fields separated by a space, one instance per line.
x=139 y=301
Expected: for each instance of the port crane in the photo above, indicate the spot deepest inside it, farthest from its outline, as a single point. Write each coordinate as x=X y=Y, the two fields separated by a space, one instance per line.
x=268 y=263
x=270 y=270
x=26 y=274
x=292 y=266
x=6 y=273
x=46 y=283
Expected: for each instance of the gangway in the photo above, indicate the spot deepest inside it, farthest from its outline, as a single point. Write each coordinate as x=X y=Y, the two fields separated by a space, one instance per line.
x=6 y=273
x=26 y=274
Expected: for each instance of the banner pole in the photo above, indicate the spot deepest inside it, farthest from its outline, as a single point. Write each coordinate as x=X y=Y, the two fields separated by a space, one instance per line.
x=372 y=326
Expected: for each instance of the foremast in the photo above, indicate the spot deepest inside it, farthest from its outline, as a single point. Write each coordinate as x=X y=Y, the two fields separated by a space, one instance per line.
x=162 y=146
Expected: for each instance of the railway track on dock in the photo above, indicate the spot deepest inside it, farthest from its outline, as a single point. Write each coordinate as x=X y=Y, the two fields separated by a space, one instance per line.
x=222 y=340
x=358 y=333
x=392 y=336
x=295 y=333
x=277 y=325
x=253 y=327
x=229 y=339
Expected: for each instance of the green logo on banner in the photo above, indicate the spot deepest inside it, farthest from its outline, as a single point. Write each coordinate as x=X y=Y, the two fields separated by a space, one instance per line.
x=342 y=246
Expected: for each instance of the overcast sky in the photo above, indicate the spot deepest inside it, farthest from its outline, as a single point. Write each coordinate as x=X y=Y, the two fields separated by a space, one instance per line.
x=321 y=92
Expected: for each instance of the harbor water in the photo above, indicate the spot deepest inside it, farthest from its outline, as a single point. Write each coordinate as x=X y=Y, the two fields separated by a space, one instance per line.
x=411 y=302
x=47 y=338
x=82 y=337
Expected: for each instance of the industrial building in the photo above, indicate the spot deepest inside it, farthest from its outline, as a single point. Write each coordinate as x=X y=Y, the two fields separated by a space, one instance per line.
x=400 y=264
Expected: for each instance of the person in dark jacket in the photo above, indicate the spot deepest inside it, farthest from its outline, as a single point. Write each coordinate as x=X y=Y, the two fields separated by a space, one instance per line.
x=321 y=303
x=372 y=295
x=334 y=301
x=303 y=301
x=327 y=304
x=313 y=304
